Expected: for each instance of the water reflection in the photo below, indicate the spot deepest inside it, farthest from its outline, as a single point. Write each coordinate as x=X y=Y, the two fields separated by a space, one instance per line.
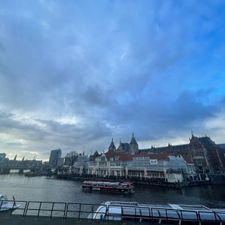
x=43 y=189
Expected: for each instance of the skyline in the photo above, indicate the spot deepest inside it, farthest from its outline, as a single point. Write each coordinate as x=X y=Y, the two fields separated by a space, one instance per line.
x=106 y=148
x=75 y=74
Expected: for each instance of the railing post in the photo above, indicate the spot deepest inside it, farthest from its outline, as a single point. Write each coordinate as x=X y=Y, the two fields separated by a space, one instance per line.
x=39 y=208
x=160 y=218
x=199 y=217
x=1 y=204
x=92 y=213
x=140 y=219
x=149 y=214
x=135 y=217
x=152 y=214
x=217 y=217
x=79 y=211
x=65 y=210
x=52 y=209
x=181 y=215
x=166 y=215
x=26 y=208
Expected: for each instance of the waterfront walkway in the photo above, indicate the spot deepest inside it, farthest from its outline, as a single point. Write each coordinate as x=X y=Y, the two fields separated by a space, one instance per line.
x=34 y=220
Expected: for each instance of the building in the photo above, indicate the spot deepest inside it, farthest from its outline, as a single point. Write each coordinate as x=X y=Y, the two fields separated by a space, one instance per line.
x=131 y=147
x=202 y=152
x=112 y=146
x=111 y=163
x=161 y=166
x=70 y=158
x=81 y=165
x=2 y=157
x=207 y=156
x=172 y=163
x=55 y=158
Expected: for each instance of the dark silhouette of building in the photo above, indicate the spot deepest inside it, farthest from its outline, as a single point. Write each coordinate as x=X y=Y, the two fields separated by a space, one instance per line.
x=54 y=158
x=112 y=146
x=70 y=158
x=207 y=156
x=131 y=147
x=94 y=156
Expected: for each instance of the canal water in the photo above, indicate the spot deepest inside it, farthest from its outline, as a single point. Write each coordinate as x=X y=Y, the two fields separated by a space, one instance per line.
x=50 y=189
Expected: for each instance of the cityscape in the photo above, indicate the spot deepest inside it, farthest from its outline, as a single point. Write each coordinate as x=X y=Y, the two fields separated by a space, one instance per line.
x=199 y=162
x=112 y=112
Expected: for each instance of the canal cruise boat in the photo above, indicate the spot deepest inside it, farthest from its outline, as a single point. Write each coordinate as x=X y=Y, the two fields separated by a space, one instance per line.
x=108 y=187
x=155 y=213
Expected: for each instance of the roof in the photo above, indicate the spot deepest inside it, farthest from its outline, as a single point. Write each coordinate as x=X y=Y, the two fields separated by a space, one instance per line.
x=206 y=141
x=166 y=148
x=94 y=156
x=133 y=140
x=118 y=155
x=164 y=155
x=158 y=156
x=222 y=146
x=124 y=146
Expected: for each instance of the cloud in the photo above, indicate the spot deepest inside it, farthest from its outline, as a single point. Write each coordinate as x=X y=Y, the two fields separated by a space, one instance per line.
x=73 y=76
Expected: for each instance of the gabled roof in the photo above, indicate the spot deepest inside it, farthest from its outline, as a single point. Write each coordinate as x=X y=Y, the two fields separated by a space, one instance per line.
x=118 y=155
x=94 y=156
x=206 y=141
x=124 y=146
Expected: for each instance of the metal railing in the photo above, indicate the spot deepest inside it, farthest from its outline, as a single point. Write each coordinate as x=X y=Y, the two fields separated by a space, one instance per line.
x=113 y=212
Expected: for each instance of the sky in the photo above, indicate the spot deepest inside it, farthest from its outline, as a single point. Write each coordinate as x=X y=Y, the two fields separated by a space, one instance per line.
x=75 y=74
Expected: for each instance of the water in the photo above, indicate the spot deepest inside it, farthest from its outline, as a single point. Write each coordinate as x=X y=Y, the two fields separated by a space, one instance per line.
x=45 y=189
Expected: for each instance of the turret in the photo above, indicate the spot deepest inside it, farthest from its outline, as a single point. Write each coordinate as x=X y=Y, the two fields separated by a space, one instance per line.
x=112 y=146
x=133 y=145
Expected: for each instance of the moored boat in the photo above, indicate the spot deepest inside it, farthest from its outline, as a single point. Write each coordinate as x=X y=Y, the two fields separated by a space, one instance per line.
x=7 y=205
x=108 y=187
x=116 y=210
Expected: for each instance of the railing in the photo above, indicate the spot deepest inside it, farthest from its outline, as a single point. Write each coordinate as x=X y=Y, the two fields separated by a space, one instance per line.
x=112 y=212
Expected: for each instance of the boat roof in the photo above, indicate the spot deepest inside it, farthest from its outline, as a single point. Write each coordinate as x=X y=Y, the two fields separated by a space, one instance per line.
x=105 y=182
x=158 y=206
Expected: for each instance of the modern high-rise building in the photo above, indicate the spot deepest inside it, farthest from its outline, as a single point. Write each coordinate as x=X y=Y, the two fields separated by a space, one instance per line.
x=54 y=158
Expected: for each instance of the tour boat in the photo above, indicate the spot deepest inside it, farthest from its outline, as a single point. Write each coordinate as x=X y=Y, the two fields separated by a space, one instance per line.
x=169 y=213
x=108 y=187
x=7 y=205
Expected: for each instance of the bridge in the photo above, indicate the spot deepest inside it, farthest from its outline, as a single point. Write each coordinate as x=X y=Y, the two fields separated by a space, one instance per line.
x=20 y=165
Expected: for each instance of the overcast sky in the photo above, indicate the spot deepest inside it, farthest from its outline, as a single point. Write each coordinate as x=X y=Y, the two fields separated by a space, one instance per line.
x=74 y=74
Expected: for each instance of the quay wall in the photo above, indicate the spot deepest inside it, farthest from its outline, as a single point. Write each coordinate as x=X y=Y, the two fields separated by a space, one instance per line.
x=138 y=181
x=9 y=219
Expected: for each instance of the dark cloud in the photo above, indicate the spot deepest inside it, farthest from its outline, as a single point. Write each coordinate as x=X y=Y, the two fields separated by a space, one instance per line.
x=82 y=74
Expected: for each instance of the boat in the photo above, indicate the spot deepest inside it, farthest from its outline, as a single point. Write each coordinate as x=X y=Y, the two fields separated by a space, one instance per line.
x=7 y=205
x=108 y=187
x=169 y=213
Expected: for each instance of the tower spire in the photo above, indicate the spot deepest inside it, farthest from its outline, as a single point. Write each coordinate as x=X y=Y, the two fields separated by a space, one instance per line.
x=192 y=133
x=112 y=146
x=133 y=144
